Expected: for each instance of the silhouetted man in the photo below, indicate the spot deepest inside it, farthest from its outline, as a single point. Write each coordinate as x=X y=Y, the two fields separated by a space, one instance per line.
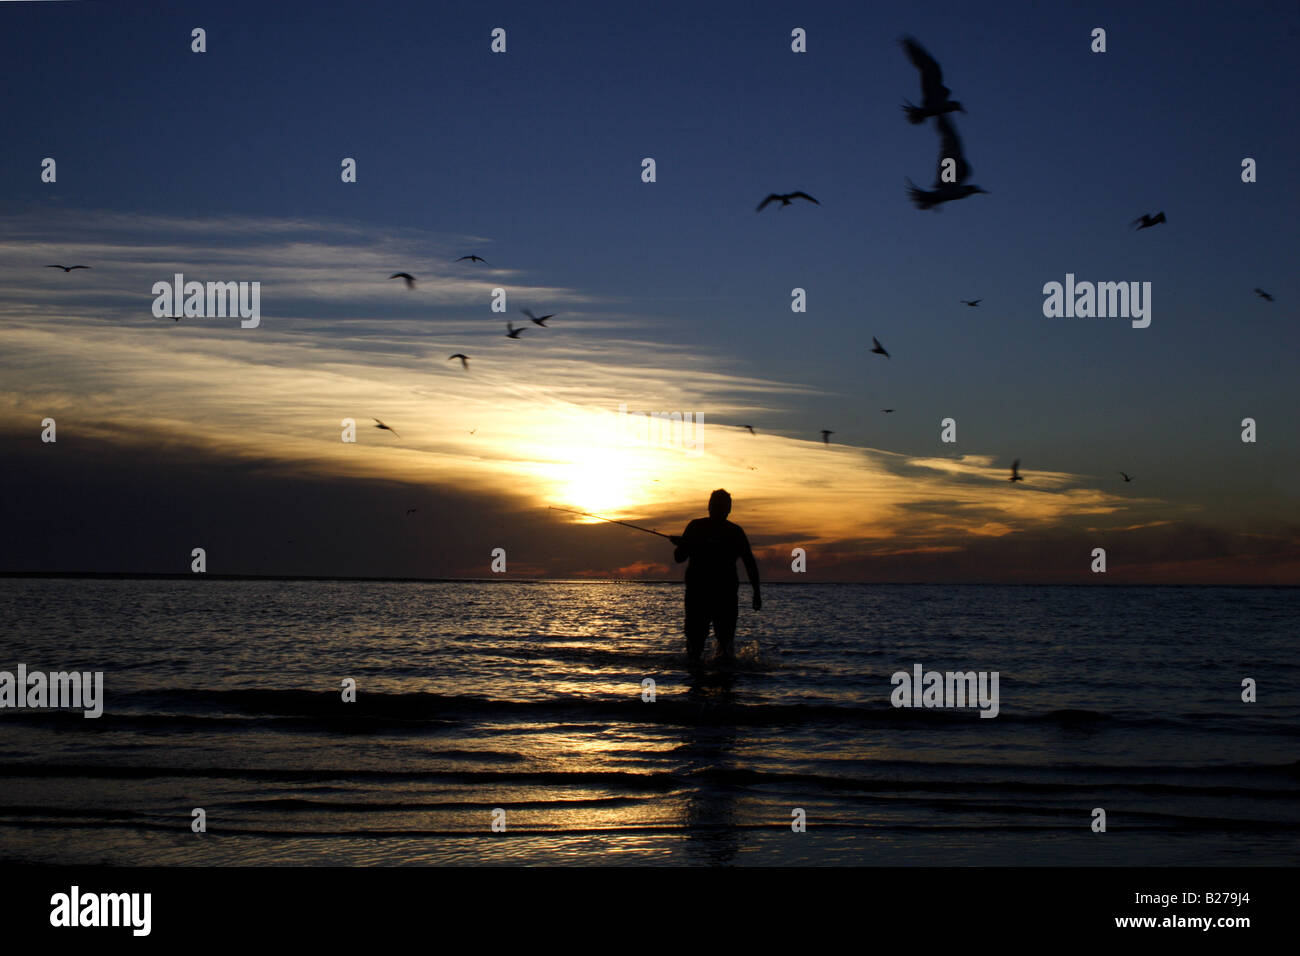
x=713 y=544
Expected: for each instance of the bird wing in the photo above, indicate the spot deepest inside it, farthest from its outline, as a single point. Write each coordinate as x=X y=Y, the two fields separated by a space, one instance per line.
x=766 y=201
x=932 y=87
x=949 y=148
x=802 y=195
x=1159 y=217
x=77 y=267
x=527 y=313
x=1015 y=466
x=876 y=342
x=54 y=267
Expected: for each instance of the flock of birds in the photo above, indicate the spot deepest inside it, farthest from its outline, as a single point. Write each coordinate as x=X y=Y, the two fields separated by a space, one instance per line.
x=937 y=105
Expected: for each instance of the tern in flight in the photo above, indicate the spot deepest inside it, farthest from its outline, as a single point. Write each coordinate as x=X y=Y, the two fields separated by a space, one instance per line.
x=784 y=199
x=826 y=436
x=538 y=320
x=67 y=268
x=386 y=427
x=512 y=332
x=1148 y=221
x=464 y=360
x=971 y=302
x=1015 y=471
x=943 y=191
x=1263 y=295
x=879 y=349
x=1126 y=477
x=410 y=279
x=934 y=95
x=472 y=259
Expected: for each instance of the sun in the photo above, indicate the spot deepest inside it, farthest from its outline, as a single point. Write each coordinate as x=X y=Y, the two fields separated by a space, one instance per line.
x=603 y=480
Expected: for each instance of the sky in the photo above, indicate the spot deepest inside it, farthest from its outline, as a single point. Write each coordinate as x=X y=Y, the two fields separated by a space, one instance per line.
x=669 y=296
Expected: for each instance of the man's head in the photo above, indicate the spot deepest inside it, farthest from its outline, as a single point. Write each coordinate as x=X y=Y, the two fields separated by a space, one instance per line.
x=719 y=504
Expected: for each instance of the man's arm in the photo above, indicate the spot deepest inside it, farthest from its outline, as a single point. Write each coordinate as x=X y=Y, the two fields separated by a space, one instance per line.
x=751 y=568
x=683 y=550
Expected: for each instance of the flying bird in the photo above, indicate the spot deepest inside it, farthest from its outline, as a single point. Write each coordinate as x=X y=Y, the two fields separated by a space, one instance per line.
x=538 y=320
x=826 y=436
x=472 y=259
x=410 y=279
x=1126 y=477
x=879 y=349
x=464 y=360
x=1263 y=295
x=934 y=95
x=750 y=427
x=949 y=148
x=886 y=410
x=385 y=427
x=1148 y=221
x=67 y=268
x=785 y=199
x=411 y=511
x=971 y=302
x=1015 y=471
x=512 y=332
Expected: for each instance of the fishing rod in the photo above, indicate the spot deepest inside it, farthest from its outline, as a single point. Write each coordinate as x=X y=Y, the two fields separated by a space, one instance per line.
x=588 y=514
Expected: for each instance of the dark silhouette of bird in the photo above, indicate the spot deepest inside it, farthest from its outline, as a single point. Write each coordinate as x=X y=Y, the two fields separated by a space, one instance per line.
x=512 y=332
x=879 y=349
x=934 y=95
x=1125 y=477
x=949 y=148
x=826 y=436
x=886 y=410
x=386 y=427
x=472 y=259
x=1263 y=295
x=464 y=360
x=538 y=320
x=1015 y=471
x=411 y=511
x=67 y=268
x=1148 y=221
x=410 y=279
x=785 y=199
x=971 y=302
x=750 y=427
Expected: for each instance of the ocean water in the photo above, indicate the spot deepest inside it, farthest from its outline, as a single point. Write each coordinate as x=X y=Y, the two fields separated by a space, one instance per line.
x=528 y=697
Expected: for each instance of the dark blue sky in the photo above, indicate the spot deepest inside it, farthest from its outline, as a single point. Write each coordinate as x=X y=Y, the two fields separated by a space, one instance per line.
x=538 y=152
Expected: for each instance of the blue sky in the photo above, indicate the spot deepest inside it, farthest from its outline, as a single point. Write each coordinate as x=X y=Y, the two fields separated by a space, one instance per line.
x=532 y=159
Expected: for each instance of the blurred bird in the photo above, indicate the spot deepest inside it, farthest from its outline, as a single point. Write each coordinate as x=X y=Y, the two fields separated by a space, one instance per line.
x=1125 y=477
x=934 y=95
x=411 y=511
x=750 y=427
x=410 y=279
x=785 y=199
x=826 y=435
x=1263 y=295
x=949 y=148
x=1148 y=221
x=1015 y=471
x=472 y=259
x=879 y=349
x=538 y=320
x=386 y=428
x=67 y=268
x=464 y=360
x=971 y=302
x=511 y=331
x=886 y=410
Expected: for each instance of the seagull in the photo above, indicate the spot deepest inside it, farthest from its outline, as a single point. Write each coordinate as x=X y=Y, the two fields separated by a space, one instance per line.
x=410 y=279
x=1149 y=221
x=472 y=259
x=511 y=331
x=879 y=349
x=971 y=302
x=886 y=410
x=1126 y=477
x=67 y=268
x=949 y=148
x=411 y=511
x=934 y=95
x=1263 y=295
x=464 y=360
x=785 y=199
x=1015 y=471
x=536 y=320
x=386 y=428
x=826 y=436
x=750 y=427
